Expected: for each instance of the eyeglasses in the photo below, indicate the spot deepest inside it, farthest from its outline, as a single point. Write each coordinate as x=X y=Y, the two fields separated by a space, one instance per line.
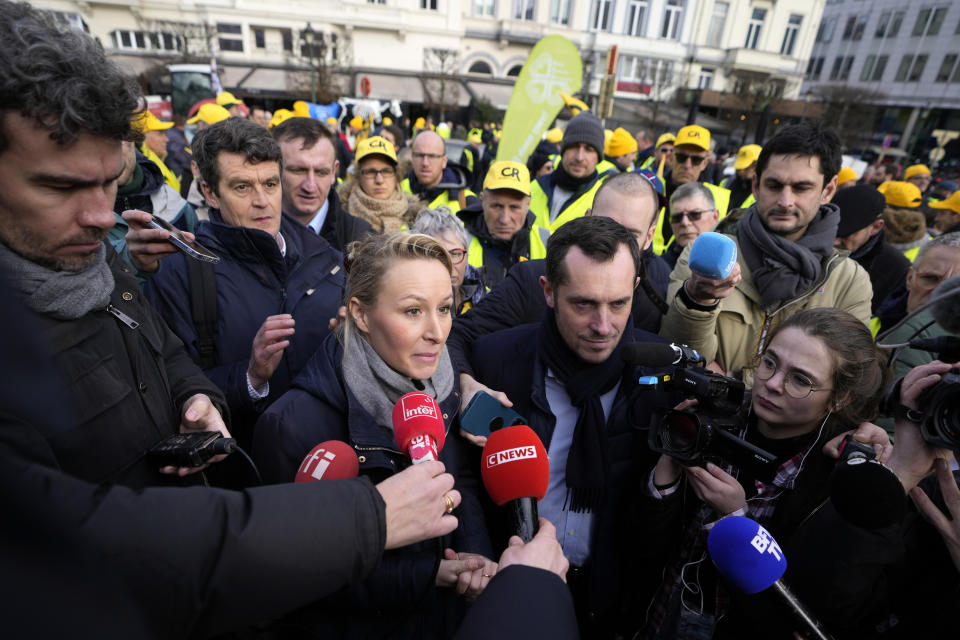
x=682 y=158
x=373 y=173
x=433 y=157
x=795 y=384
x=693 y=215
x=457 y=255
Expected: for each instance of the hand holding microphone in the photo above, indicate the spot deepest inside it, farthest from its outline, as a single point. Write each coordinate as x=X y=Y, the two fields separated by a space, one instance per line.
x=418 y=426
x=714 y=271
x=516 y=473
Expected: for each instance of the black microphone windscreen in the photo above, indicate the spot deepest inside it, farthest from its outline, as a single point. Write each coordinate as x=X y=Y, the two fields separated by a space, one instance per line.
x=868 y=494
x=650 y=354
x=947 y=311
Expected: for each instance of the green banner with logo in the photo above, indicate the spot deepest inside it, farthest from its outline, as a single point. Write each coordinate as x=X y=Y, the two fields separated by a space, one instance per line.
x=553 y=66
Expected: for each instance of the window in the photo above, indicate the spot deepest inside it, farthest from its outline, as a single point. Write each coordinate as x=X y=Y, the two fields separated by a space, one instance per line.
x=706 y=78
x=835 y=71
x=523 y=9
x=753 y=31
x=672 y=17
x=230 y=37
x=484 y=8
x=560 y=11
x=637 y=17
x=841 y=68
x=879 y=68
x=847 y=65
x=825 y=31
x=936 y=21
x=867 y=68
x=146 y=41
x=895 y=23
x=929 y=21
x=855 y=27
x=956 y=74
x=515 y=71
x=645 y=71
x=287 y=35
x=717 y=19
x=946 y=67
x=816 y=67
x=905 y=63
x=790 y=37
x=480 y=67
x=376 y=1
x=882 y=24
x=428 y=4
x=916 y=72
x=602 y=15
x=259 y=39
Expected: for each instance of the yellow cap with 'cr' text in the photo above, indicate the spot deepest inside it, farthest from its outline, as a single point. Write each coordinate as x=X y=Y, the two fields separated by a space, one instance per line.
x=508 y=175
x=694 y=135
x=376 y=145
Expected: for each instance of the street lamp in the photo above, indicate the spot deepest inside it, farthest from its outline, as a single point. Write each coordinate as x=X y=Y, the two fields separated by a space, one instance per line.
x=308 y=41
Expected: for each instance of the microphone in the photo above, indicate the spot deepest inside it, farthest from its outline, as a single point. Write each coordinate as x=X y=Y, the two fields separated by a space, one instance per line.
x=516 y=473
x=658 y=354
x=330 y=460
x=418 y=426
x=713 y=255
x=866 y=493
x=747 y=555
x=947 y=311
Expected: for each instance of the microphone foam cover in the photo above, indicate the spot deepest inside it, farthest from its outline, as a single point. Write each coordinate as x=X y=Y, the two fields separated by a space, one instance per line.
x=713 y=255
x=746 y=554
x=515 y=465
x=867 y=494
x=649 y=354
x=330 y=460
x=417 y=414
x=947 y=311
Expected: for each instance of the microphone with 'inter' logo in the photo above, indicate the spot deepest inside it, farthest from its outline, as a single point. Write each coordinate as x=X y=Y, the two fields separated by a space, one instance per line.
x=516 y=473
x=418 y=426
x=330 y=460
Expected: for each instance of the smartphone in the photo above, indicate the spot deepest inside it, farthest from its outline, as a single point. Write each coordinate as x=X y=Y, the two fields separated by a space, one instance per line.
x=484 y=414
x=184 y=449
x=191 y=248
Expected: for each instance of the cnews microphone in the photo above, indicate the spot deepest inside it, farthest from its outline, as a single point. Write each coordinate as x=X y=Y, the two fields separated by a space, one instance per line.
x=747 y=555
x=330 y=460
x=867 y=493
x=516 y=470
x=418 y=426
x=713 y=255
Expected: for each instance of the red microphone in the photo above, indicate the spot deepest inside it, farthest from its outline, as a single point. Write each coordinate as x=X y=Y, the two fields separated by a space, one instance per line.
x=330 y=460
x=418 y=426
x=516 y=473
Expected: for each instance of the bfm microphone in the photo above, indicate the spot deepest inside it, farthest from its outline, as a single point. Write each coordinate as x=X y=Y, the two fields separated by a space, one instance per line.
x=867 y=493
x=418 y=426
x=747 y=555
x=658 y=354
x=330 y=460
x=713 y=255
x=516 y=473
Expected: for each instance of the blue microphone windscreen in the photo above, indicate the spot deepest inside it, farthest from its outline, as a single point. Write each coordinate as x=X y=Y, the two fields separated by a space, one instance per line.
x=746 y=554
x=713 y=255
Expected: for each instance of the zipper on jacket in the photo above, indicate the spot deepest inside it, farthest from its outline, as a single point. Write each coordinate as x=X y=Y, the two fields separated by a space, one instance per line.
x=122 y=317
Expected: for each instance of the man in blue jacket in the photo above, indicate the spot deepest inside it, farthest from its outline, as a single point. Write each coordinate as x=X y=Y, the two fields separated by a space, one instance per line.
x=276 y=285
x=567 y=377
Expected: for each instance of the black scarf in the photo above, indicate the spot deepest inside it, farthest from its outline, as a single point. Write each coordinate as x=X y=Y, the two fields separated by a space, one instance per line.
x=783 y=269
x=568 y=183
x=584 y=384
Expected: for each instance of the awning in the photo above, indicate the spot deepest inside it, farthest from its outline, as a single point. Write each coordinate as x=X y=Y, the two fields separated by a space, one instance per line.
x=386 y=87
x=497 y=94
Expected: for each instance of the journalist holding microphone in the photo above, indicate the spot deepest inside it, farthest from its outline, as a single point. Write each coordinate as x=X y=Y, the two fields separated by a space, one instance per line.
x=357 y=389
x=819 y=376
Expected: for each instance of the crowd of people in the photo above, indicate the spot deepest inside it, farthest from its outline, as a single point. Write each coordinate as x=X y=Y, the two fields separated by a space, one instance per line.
x=285 y=281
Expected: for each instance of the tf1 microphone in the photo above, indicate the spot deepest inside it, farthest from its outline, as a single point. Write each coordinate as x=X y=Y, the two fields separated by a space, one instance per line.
x=713 y=255
x=658 y=354
x=867 y=493
x=330 y=460
x=516 y=473
x=747 y=555
x=947 y=311
x=418 y=426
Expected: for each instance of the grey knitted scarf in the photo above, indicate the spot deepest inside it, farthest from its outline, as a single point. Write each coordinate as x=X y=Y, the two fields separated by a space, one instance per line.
x=378 y=387
x=64 y=295
x=783 y=269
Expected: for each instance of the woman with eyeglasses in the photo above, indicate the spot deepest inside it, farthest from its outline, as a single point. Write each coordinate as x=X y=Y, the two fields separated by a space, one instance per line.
x=447 y=229
x=820 y=375
x=374 y=193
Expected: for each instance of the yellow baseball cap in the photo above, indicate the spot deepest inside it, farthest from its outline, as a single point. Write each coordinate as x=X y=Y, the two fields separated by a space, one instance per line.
x=901 y=194
x=916 y=170
x=508 y=175
x=952 y=203
x=555 y=135
x=665 y=138
x=475 y=136
x=387 y=121
x=376 y=145
x=620 y=143
x=846 y=174
x=146 y=121
x=280 y=115
x=694 y=135
x=419 y=123
x=214 y=113
x=227 y=99
x=356 y=122
x=746 y=156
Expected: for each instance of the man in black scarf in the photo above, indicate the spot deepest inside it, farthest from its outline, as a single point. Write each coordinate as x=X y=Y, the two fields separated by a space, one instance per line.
x=566 y=376
x=786 y=257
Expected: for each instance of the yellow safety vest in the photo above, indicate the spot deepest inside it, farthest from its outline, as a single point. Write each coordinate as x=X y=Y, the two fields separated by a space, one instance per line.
x=874 y=326
x=646 y=163
x=443 y=200
x=721 y=200
x=606 y=169
x=167 y=174
x=540 y=206
x=749 y=201
x=468 y=159
x=911 y=254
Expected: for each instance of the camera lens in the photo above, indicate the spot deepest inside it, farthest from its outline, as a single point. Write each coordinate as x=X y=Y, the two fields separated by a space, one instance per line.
x=681 y=431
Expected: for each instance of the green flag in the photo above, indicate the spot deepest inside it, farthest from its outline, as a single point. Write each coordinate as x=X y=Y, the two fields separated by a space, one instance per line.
x=553 y=66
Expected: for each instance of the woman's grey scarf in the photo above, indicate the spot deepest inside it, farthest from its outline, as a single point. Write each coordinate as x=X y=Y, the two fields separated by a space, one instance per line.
x=783 y=269
x=378 y=387
x=64 y=295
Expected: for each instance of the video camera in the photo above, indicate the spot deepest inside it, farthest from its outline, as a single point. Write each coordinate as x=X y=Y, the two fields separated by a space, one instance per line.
x=698 y=434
